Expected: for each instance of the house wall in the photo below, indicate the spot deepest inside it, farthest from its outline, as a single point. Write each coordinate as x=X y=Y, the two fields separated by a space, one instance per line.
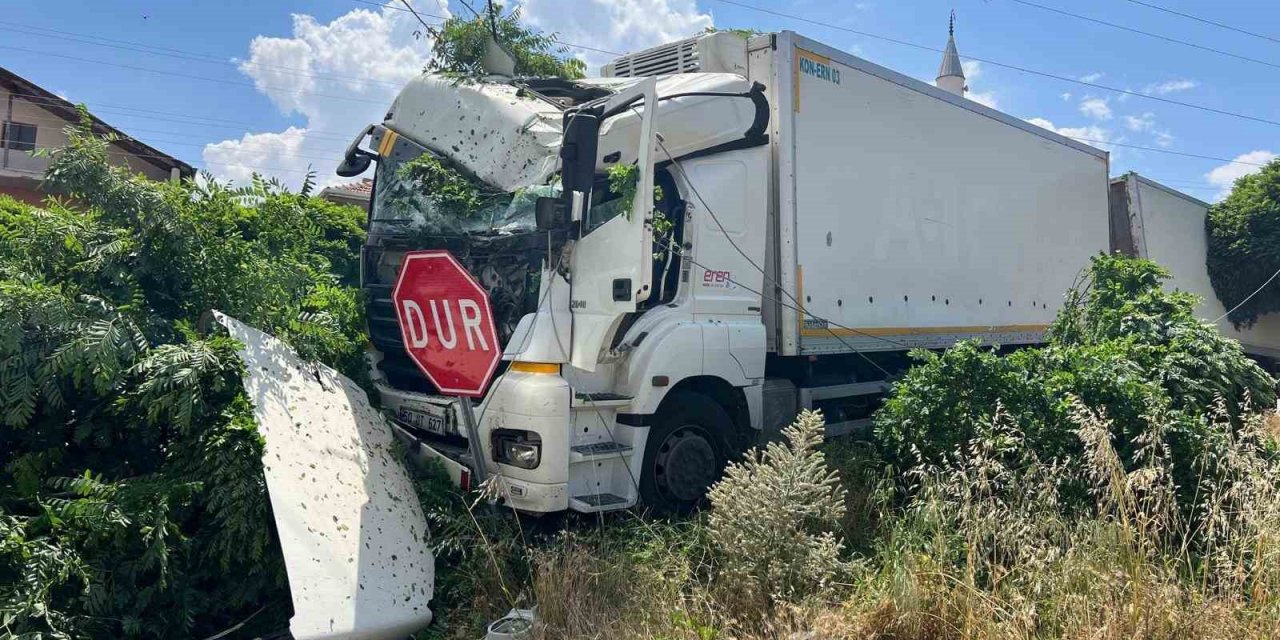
x=49 y=135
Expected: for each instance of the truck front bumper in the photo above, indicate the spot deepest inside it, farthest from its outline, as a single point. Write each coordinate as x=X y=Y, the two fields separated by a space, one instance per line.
x=538 y=403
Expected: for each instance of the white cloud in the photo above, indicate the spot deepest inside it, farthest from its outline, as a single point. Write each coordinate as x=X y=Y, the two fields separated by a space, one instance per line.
x=1092 y=77
x=1066 y=96
x=972 y=71
x=1170 y=86
x=1226 y=175
x=338 y=76
x=1146 y=123
x=615 y=25
x=1096 y=108
x=1089 y=134
x=985 y=98
x=1143 y=122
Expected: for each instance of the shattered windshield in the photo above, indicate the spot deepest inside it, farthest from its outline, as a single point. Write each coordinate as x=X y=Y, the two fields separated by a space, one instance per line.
x=417 y=190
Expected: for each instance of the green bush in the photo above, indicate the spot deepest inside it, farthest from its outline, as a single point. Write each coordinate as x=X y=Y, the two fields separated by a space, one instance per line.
x=132 y=500
x=1244 y=245
x=1121 y=345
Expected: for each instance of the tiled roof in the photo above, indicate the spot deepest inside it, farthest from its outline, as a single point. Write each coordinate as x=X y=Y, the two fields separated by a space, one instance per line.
x=363 y=188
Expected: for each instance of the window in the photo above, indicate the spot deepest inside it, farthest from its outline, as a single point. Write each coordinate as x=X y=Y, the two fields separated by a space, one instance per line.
x=19 y=137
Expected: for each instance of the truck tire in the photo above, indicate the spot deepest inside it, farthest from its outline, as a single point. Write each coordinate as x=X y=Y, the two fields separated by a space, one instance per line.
x=687 y=449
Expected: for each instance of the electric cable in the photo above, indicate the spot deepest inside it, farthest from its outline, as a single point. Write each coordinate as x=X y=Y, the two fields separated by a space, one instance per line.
x=1205 y=21
x=1248 y=297
x=1149 y=34
x=1003 y=65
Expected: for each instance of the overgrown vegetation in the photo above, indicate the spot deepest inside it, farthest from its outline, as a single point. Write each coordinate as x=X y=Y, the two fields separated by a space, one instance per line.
x=1119 y=482
x=1244 y=245
x=1121 y=345
x=132 y=500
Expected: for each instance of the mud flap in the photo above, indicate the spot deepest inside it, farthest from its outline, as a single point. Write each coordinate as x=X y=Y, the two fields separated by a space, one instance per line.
x=352 y=531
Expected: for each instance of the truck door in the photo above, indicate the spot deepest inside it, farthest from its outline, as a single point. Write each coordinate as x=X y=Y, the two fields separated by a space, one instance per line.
x=611 y=264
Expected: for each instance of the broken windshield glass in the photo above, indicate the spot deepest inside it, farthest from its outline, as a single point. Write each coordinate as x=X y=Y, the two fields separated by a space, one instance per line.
x=424 y=193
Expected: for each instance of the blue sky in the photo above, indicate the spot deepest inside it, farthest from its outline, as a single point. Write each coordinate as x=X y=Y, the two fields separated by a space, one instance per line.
x=276 y=86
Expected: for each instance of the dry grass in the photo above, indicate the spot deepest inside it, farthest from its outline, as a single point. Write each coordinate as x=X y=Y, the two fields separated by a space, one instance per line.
x=985 y=549
x=1271 y=423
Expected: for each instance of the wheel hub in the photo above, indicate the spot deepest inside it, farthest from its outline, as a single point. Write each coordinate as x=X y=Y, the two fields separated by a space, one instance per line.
x=686 y=464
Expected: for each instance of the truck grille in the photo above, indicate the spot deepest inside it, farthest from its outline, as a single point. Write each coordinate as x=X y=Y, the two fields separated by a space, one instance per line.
x=382 y=262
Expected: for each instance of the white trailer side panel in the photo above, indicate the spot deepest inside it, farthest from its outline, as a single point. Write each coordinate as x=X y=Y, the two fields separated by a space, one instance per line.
x=919 y=218
x=1167 y=226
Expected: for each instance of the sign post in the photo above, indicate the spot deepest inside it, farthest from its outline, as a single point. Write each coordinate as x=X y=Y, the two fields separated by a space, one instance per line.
x=448 y=331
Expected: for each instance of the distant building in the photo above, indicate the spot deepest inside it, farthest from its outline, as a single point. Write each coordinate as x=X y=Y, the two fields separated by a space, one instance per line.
x=355 y=193
x=951 y=72
x=34 y=119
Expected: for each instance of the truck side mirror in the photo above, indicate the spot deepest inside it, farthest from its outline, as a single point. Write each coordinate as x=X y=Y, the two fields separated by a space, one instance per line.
x=356 y=160
x=578 y=153
x=578 y=160
x=549 y=214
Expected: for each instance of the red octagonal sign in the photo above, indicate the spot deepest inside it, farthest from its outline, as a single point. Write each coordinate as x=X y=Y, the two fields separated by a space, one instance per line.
x=446 y=323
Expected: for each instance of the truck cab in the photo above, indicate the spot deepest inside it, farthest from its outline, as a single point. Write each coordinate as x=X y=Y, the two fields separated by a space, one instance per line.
x=623 y=308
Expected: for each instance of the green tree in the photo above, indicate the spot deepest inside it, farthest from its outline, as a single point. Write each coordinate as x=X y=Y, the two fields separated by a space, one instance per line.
x=1244 y=245
x=131 y=486
x=460 y=45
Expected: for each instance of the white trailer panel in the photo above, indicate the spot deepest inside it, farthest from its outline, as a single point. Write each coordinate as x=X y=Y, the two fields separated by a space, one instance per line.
x=1155 y=222
x=910 y=216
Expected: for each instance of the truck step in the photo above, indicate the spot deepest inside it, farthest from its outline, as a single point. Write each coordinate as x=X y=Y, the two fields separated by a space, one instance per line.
x=597 y=450
x=593 y=502
x=583 y=400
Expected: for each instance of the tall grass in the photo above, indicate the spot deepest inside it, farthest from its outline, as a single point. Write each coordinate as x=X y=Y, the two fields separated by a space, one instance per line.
x=984 y=545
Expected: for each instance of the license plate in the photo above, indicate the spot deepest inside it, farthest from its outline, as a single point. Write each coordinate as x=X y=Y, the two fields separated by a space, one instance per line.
x=422 y=419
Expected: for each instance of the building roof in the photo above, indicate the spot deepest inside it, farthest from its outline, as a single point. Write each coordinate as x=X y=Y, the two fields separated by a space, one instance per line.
x=33 y=93
x=951 y=61
x=362 y=189
x=951 y=58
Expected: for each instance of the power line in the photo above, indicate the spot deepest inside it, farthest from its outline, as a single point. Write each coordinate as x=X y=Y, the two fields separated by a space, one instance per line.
x=1248 y=297
x=1003 y=65
x=1205 y=20
x=40 y=100
x=1149 y=34
x=1158 y=150
x=251 y=85
x=139 y=47
x=423 y=13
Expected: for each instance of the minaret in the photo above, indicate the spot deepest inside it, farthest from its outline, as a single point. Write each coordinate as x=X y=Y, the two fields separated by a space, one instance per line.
x=950 y=73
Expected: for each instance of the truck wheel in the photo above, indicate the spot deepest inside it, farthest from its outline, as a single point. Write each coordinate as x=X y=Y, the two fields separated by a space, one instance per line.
x=686 y=452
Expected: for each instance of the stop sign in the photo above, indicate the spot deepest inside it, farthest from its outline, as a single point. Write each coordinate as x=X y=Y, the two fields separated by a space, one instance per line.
x=446 y=323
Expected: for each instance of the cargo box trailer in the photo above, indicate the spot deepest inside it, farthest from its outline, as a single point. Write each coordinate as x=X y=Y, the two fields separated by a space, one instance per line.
x=1153 y=221
x=908 y=216
x=801 y=218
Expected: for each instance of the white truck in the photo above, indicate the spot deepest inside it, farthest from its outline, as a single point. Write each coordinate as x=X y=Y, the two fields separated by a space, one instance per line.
x=817 y=216
x=1150 y=220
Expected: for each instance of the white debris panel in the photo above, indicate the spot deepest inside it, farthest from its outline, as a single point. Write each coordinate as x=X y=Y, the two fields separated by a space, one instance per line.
x=352 y=531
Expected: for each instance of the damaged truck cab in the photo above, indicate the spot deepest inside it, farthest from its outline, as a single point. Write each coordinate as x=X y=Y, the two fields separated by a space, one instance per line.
x=684 y=253
x=603 y=334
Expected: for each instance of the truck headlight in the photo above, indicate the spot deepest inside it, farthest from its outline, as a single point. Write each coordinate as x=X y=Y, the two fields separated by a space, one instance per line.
x=517 y=448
